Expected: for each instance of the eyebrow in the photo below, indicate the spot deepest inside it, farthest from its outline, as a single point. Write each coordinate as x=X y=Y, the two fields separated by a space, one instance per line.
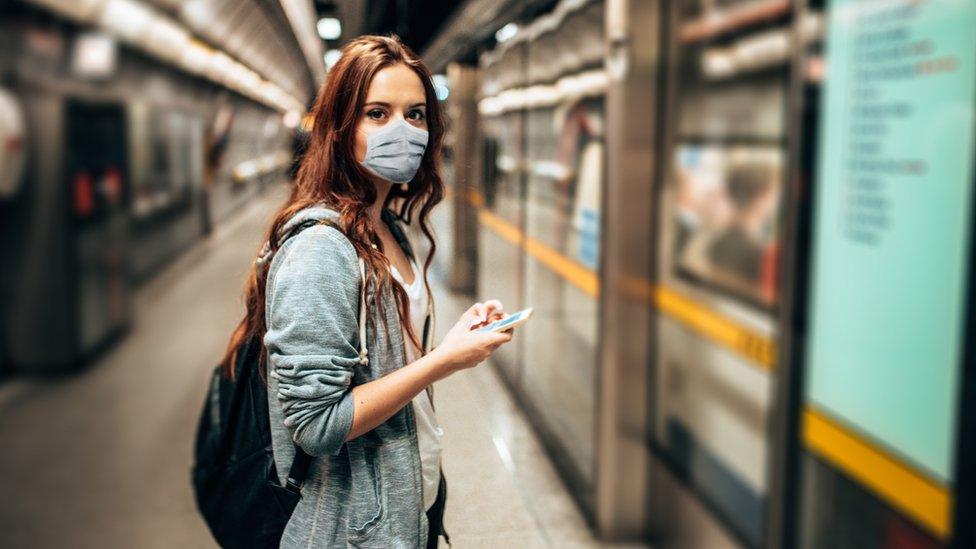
x=385 y=104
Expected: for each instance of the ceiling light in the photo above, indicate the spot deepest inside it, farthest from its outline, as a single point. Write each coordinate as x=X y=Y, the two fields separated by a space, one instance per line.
x=196 y=57
x=292 y=119
x=127 y=19
x=94 y=55
x=166 y=39
x=329 y=28
x=441 y=88
x=197 y=13
x=506 y=33
x=331 y=57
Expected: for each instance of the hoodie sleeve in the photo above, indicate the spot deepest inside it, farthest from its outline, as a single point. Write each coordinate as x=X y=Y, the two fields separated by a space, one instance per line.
x=312 y=337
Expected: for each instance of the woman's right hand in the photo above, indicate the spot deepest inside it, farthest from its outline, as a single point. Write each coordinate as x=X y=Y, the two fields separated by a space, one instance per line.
x=465 y=347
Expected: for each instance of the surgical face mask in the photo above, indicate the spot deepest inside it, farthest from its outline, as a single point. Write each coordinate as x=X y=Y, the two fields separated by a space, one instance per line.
x=394 y=151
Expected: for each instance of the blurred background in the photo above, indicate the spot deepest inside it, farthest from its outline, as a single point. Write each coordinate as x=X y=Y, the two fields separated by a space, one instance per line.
x=745 y=227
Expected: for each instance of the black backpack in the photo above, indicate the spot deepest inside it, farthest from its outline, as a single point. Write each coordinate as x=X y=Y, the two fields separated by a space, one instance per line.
x=235 y=480
x=234 y=476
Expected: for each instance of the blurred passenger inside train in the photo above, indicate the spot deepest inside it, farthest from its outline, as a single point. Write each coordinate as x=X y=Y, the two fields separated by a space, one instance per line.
x=742 y=253
x=344 y=309
x=724 y=220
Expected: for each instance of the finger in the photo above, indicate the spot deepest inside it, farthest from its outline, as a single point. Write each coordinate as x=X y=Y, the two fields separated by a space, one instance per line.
x=493 y=305
x=495 y=316
x=498 y=338
x=478 y=322
x=481 y=312
x=471 y=313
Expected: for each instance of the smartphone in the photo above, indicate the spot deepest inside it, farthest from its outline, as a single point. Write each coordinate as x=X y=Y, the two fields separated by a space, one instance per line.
x=511 y=321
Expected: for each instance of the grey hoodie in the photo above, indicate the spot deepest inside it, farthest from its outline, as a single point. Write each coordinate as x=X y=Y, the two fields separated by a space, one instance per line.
x=366 y=492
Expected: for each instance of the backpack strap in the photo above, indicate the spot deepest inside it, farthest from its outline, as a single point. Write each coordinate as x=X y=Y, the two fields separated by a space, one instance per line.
x=401 y=237
x=298 y=471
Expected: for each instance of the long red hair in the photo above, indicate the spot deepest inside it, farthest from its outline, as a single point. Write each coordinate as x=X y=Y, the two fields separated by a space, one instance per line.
x=331 y=175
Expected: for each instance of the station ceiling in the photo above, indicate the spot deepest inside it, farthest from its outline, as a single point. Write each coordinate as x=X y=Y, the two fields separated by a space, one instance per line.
x=415 y=21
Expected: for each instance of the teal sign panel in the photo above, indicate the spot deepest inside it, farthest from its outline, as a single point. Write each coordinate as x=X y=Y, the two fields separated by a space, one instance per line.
x=892 y=224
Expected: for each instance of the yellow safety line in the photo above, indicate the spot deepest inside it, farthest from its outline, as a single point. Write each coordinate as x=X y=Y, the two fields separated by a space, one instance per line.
x=918 y=497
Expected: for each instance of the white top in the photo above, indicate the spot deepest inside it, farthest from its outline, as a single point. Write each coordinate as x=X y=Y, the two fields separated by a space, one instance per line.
x=429 y=434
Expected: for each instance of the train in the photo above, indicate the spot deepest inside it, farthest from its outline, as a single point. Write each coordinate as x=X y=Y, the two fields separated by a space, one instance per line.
x=749 y=260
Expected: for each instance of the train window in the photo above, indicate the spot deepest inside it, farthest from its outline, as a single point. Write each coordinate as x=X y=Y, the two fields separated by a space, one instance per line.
x=162 y=139
x=96 y=161
x=891 y=232
x=725 y=206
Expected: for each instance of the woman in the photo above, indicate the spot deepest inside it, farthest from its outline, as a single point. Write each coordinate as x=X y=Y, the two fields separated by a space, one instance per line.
x=362 y=408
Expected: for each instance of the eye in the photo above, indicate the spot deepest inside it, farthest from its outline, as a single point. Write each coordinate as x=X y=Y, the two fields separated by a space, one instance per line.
x=375 y=114
x=415 y=114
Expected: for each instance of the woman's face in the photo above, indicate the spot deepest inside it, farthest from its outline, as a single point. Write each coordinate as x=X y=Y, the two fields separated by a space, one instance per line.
x=395 y=92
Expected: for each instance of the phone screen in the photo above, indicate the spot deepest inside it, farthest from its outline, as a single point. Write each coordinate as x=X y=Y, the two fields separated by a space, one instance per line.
x=503 y=323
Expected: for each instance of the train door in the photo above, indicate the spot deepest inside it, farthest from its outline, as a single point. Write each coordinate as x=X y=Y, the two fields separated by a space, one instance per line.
x=96 y=169
x=716 y=293
x=884 y=345
x=543 y=118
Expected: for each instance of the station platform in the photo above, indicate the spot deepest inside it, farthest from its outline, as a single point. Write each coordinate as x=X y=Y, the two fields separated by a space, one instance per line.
x=722 y=214
x=102 y=458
